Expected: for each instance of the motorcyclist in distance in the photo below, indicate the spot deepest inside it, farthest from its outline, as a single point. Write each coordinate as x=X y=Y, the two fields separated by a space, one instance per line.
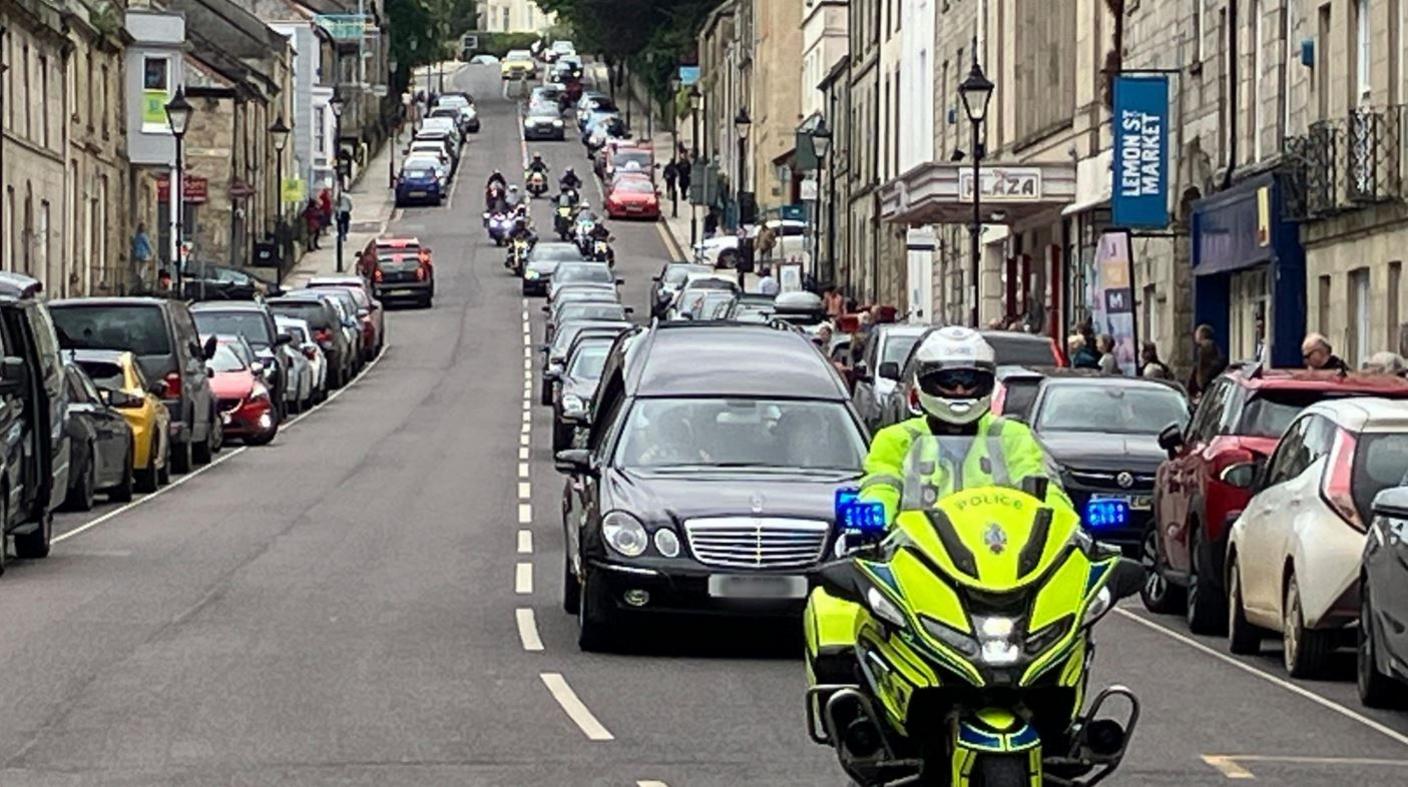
x=570 y=180
x=523 y=230
x=496 y=178
x=537 y=164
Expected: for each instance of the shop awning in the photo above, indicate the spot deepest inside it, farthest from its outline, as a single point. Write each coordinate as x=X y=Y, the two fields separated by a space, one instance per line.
x=942 y=193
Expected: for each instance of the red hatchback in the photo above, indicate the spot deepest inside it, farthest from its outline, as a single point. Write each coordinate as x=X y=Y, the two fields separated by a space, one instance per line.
x=633 y=197
x=1238 y=422
x=246 y=409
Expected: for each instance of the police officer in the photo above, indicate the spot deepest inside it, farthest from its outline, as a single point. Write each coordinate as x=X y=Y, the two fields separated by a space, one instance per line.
x=955 y=376
x=570 y=180
x=537 y=164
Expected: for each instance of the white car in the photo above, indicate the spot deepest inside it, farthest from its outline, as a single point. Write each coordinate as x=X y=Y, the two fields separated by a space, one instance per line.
x=307 y=346
x=791 y=242
x=1293 y=557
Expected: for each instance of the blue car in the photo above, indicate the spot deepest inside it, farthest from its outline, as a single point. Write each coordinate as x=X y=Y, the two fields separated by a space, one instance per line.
x=419 y=185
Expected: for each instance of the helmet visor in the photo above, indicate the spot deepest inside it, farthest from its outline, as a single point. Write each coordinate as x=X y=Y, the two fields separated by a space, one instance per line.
x=956 y=383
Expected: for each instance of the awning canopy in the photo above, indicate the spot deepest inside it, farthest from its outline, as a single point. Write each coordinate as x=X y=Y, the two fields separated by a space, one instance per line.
x=942 y=193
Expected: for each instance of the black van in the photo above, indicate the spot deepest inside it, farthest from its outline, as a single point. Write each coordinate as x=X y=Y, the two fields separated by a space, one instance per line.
x=162 y=334
x=33 y=401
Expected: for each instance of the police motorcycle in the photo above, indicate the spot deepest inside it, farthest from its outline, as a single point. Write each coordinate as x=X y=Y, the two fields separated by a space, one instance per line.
x=498 y=224
x=601 y=251
x=517 y=258
x=566 y=211
x=954 y=647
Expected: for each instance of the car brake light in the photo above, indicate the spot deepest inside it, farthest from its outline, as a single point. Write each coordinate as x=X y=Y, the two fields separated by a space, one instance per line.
x=310 y=353
x=376 y=274
x=1337 y=486
x=914 y=399
x=323 y=336
x=420 y=273
x=173 y=385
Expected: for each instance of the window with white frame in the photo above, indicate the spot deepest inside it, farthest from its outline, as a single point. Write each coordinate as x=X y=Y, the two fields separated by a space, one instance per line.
x=1362 y=49
x=1258 y=73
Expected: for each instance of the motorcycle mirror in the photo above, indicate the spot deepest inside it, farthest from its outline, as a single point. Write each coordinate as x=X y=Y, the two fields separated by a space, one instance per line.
x=838 y=578
x=1128 y=578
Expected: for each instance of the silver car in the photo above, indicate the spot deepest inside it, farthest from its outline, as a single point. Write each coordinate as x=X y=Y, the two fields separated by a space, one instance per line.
x=314 y=363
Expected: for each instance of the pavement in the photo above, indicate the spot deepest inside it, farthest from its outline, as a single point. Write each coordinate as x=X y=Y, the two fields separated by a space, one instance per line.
x=375 y=598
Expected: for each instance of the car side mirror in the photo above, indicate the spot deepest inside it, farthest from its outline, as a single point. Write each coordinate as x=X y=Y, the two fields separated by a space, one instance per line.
x=655 y=279
x=1171 y=439
x=1392 y=502
x=619 y=282
x=1127 y=580
x=120 y=399
x=890 y=370
x=257 y=367
x=283 y=338
x=208 y=351
x=574 y=461
x=13 y=373
x=552 y=374
x=1242 y=475
x=158 y=389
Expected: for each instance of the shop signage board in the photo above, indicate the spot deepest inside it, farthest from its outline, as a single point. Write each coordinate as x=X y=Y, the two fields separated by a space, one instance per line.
x=1139 y=197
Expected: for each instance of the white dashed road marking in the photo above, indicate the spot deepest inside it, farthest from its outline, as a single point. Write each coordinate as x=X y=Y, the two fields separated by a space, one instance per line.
x=525 y=542
x=528 y=630
x=525 y=513
x=523 y=579
x=573 y=707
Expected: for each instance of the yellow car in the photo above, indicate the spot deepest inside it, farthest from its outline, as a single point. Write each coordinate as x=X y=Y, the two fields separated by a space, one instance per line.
x=115 y=370
x=518 y=63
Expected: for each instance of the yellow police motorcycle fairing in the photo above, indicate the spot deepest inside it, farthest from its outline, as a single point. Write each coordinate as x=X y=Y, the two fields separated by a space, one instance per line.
x=952 y=647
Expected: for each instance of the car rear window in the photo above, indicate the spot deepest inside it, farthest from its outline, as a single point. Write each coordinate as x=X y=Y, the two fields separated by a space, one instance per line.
x=104 y=374
x=1268 y=413
x=313 y=311
x=251 y=325
x=139 y=328
x=897 y=349
x=1379 y=460
x=1020 y=396
x=1018 y=350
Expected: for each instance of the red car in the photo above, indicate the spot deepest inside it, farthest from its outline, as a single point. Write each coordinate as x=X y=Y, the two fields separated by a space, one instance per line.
x=246 y=408
x=377 y=247
x=1239 y=421
x=633 y=196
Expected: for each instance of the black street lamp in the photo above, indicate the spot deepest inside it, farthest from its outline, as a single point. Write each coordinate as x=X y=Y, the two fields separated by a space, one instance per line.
x=336 y=104
x=178 y=115
x=742 y=124
x=821 y=146
x=675 y=142
x=278 y=132
x=976 y=91
x=696 y=102
x=396 y=124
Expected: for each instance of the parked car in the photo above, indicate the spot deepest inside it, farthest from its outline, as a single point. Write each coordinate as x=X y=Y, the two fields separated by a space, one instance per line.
x=576 y=386
x=419 y=184
x=325 y=320
x=555 y=352
x=669 y=281
x=542 y=262
x=1102 y=433
x=1239 y=419
x=163 y=336
x=877 y=374
x=100 y=442
x=304 y=344
x=708 y=480
x=1010 y=348
x=633 y=197
x=1015 y=391
x=369 y=312
x=207 y=282
x=1294 y=555
x=247 y=406
x=636 y=160
x=147 y=417
x=352 y=325
x=464 y=104
x=752 y=307
x=403 y=277
x=255 y=323
x=1382 y=658
x=34 y=447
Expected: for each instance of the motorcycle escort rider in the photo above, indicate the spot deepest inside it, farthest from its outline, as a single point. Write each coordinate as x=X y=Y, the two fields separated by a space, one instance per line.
x=955 y=377
x=537 y=165
x=570 y=180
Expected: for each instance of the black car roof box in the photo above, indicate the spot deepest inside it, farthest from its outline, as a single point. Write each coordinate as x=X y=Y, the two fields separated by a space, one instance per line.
x=18 y=285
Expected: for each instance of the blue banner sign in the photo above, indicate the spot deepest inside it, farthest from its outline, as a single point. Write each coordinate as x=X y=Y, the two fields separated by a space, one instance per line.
x=689 y=75
x=1139 y=196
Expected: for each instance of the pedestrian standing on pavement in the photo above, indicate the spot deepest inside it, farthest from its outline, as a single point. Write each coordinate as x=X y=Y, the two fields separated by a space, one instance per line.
x=672 y=172
x=344 y=215
x=1317 y=354
x=1105 y=345
x=711 y=222
x=325 y=209
x=142 y=251
x=1081 y=354
x=767 y=285
x=834 y=304
x=1208 y=364
x=682 y=176
x=313 y=220
x=1149 y=364
x=767 y=241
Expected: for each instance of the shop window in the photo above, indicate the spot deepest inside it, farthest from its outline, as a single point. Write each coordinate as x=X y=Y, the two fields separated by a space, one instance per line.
x=1357 y=342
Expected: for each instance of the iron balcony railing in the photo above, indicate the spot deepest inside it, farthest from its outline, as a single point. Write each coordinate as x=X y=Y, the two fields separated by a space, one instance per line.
x=1350 y=162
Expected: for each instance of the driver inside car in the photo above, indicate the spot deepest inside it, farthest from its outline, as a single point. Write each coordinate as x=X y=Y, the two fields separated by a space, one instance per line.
x=955 y=373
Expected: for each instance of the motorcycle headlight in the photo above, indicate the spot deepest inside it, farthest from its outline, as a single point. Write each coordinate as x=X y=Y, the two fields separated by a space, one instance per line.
x=625 y=534
x=884 y=608
x=997 y=640
x=667 y=543
x=530 y=274
x=573 y=405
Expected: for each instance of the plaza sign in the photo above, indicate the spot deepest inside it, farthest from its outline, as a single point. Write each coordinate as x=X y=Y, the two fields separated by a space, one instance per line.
x=1139 y=197
x=1002 y=184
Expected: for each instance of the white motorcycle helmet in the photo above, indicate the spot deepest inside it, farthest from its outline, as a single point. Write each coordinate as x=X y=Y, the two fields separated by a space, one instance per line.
x=955 y=372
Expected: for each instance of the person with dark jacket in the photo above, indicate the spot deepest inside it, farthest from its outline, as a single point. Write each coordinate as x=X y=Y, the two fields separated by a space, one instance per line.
x=1149 y=364
x=1082 y=355
x=1317 y=354
x=1209 y=362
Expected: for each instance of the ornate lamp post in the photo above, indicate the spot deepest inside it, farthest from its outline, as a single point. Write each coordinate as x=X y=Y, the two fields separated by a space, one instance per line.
x=178 y=116
x=278 y=133
x=976 y=91
x=821 y=146
x=696 y=102
x=741 y=124
x=336 y=104
x=674 y=142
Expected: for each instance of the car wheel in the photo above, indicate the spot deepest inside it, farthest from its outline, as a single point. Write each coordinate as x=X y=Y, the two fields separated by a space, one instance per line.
x=181 y=458
x=1243 y=638
x=596 y=631
x=1306 y=650
x=163 y=475
x=571 y=588
x=205 y=451
x=1158 y=595
x=263 y=439
x=122 y=493
x=35 y=545
x=426 y=302
x=1203 y=609
x=80 y=498
x=149 y=477
x=1376 y=690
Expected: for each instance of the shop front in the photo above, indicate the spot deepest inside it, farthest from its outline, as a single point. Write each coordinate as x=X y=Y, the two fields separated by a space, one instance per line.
x=1249 y=272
